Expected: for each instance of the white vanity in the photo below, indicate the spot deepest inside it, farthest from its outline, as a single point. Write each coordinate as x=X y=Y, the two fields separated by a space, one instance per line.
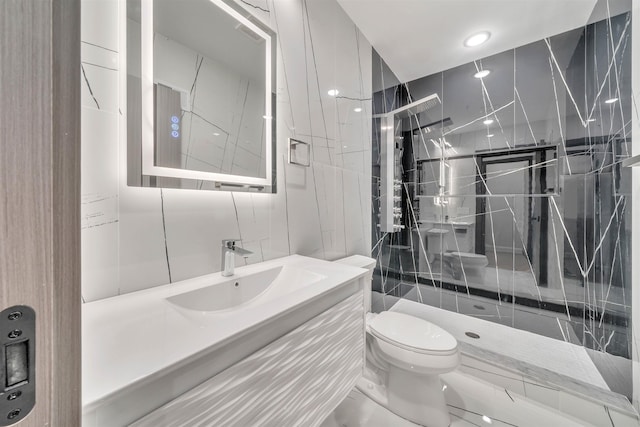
x=278 y=343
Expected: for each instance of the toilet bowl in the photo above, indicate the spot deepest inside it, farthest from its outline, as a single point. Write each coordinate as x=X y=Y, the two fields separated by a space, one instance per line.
x=436 y=241
x=459 y=265
x=464 y=265
x=436 y=247
x=407 y=354
x=404 y=358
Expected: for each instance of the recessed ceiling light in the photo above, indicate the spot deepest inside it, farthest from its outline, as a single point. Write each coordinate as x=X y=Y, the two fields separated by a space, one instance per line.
x=488 y=122
x=357 y=109
x=610 y=101
x=216 y=134
x=333 y=92
x=486 y=419
x=477 y=39
x=482 y=74
x=490 y=135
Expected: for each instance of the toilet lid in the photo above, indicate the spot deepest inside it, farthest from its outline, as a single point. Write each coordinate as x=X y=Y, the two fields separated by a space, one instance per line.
x=412 y=332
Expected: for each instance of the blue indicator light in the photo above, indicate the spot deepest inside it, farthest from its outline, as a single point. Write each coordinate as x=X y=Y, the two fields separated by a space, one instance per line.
x=175 y=126
x=175 y=134
x=175 y=119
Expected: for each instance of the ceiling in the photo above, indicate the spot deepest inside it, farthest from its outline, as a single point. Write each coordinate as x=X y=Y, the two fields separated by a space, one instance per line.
x=418 y=38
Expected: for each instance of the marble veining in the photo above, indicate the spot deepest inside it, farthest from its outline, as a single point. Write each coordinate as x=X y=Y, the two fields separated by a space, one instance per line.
x=530 y=156
x=551 y=379
x=144 y=237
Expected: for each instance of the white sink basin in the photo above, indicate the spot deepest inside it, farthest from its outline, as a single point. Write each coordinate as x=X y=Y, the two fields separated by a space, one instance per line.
x=160 y=342
x=240 y=290
x=228 y=294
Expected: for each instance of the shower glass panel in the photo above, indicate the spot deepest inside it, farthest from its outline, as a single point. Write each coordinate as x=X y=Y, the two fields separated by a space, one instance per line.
x=514 y=198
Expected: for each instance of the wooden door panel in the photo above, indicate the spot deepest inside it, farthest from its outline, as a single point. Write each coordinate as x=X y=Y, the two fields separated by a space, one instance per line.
x=39 y=192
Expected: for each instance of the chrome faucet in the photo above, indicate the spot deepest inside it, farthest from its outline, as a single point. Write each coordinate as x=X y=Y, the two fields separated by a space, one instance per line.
x=227 y=256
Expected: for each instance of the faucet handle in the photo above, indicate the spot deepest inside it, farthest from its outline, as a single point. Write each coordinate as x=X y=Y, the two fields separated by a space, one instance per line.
x=230 y=243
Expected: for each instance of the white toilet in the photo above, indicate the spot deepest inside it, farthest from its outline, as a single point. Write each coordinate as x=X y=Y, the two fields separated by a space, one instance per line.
x=464 y=265
x=459 y=265
x=405 y=356
x=436 y=247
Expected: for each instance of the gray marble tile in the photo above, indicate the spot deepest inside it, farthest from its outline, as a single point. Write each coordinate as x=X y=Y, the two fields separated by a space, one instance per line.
x=540 y=376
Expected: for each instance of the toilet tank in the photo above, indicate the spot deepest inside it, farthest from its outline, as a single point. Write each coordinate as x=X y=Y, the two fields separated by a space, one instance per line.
x=368 y=264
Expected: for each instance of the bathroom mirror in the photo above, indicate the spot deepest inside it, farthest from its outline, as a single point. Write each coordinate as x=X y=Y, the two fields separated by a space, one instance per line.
x=200 y=96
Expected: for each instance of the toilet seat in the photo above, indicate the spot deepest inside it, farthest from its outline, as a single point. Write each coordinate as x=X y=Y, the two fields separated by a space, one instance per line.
x=392 y=346
x=411 y=344
x=407 y=354
x=468 y=258
x=412 y=334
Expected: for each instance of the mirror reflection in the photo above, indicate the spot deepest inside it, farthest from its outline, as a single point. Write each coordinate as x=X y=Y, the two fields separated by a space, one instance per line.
x=208 y=72
x=210 y=114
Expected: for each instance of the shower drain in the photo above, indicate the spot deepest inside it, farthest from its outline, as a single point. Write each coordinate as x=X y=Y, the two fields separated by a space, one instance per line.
x=472 y=335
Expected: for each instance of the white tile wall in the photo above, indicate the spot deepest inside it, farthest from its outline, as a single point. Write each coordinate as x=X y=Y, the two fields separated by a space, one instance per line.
x=136 y=238
x=100 y=23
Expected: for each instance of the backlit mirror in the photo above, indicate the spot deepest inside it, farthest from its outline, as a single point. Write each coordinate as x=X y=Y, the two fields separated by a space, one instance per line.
x=200 y=96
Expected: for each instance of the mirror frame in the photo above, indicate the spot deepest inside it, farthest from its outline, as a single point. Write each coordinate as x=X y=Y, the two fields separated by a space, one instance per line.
x=167 y=177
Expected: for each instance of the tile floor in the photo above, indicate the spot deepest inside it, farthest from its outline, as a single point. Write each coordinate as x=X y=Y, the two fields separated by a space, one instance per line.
x=579 y=363
x=509 y=389
x=471 y=402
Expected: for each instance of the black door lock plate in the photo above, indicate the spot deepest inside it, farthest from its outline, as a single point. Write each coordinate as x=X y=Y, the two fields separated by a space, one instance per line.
x=17 y=363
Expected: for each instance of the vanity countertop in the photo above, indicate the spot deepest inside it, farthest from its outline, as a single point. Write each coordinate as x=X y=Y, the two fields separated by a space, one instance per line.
x=134 y=337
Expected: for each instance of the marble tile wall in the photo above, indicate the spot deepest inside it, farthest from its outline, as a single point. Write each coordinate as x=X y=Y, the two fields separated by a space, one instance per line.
x=136 y=238
x=556 y=232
